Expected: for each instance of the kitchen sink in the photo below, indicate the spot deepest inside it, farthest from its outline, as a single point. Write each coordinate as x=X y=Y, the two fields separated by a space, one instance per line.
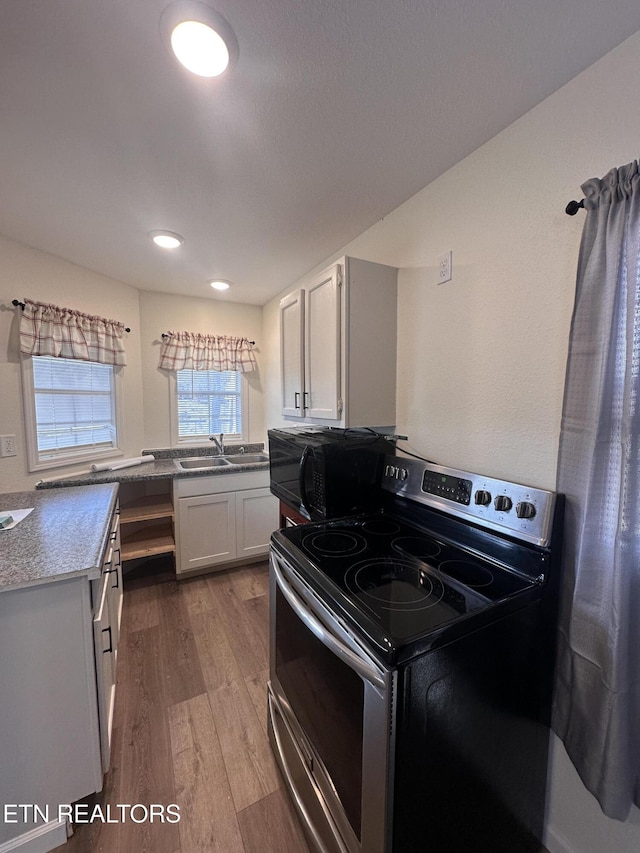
x=202 y=462
x=247 y=458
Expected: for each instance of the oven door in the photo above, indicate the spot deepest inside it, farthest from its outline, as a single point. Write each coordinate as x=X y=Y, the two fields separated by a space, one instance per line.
x=331 y=720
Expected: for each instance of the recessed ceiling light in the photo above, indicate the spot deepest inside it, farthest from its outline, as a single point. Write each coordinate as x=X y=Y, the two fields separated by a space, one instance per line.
x=200 y=49
x=166 y=239
x=219 y=284
x=199 y=37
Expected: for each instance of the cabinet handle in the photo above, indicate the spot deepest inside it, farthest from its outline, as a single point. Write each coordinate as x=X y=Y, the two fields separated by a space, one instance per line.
x=115 y=571
x=296 y=400
x=305 y=399
x=110 y=649
x=114 y=529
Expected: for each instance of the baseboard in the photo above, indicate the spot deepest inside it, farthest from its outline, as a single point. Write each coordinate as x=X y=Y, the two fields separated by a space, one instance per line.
x=553 y=841
x=40 y=839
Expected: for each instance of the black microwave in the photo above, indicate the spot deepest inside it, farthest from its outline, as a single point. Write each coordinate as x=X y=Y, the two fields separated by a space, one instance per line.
x=325 y=472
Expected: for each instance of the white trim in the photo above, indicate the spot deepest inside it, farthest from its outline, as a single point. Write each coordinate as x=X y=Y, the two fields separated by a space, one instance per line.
x=236 y=438
x=40 y=839
x=554 y=841
x=73 y=457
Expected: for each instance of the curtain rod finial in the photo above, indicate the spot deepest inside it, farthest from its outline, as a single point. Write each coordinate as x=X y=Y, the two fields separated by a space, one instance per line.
x=573 y=207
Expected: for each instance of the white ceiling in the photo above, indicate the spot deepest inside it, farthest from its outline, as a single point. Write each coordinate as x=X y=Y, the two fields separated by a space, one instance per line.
x=336 y=112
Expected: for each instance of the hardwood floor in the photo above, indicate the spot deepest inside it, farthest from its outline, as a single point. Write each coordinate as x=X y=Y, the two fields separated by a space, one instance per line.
x=190 y=724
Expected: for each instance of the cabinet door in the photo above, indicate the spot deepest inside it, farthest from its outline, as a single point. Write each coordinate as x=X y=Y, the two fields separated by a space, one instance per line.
x=206 y=531
x=322 y=346
x=103 y=638
x=257 y=518
x=292 y=353
x=113 y=569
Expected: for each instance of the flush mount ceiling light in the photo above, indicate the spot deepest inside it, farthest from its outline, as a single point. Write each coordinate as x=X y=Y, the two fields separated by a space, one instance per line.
x=199 y=37
x=220 y=284
x=166 y=239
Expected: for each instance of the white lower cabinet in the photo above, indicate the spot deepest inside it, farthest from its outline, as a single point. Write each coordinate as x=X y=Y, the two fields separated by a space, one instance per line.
x=206 y=531
x=222 y=520
x=58 y=644
x=256 y=519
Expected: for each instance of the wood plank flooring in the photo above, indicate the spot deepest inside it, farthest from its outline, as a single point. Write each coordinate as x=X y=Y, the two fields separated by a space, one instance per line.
x=190 y=724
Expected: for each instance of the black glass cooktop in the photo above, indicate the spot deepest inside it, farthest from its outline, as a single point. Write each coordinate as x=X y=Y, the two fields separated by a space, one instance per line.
x=405 y=580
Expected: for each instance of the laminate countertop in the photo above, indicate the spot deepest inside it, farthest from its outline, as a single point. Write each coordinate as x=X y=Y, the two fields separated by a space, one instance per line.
x=164 y=467
x=65 y=535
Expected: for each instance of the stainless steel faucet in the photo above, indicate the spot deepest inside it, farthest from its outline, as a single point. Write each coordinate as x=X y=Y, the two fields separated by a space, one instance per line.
x=218 y=442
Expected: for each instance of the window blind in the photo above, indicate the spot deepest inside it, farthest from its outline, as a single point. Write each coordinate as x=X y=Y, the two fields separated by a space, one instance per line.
x=74 y=405
x=209 y=402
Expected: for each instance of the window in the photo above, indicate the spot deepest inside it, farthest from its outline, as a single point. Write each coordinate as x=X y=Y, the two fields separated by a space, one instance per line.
x=71 y=410
x=208 y=402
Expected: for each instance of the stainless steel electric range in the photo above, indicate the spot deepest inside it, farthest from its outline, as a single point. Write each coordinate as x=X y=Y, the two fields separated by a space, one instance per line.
x=411 y=665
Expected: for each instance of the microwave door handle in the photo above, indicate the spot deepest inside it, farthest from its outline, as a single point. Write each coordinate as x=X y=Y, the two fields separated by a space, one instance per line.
x=302 y=471
x=364 y=669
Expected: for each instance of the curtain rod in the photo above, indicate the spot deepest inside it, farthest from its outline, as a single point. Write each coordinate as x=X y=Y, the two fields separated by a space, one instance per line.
x=166 y=335
x=17 y=302
x=573 y=207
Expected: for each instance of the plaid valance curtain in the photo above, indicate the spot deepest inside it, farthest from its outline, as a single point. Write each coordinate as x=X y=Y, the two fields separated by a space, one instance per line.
x=194 y=351
x=64 y=333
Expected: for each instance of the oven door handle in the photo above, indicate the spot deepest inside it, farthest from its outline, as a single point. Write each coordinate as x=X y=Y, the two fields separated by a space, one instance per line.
x=351 y=659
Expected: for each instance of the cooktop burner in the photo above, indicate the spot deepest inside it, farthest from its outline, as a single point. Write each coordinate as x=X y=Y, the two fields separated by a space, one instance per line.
x=468 y=573
x=380 y=526
x=405 y=579
x=394 y=585
x=334 y=543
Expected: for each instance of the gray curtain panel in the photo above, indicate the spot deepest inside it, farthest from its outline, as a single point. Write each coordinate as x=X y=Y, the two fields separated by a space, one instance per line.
x=597 y=699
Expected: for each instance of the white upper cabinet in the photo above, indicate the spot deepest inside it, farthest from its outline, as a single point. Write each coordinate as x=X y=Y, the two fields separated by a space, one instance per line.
x=292 y=353
x=322 y=346
x=338 y=346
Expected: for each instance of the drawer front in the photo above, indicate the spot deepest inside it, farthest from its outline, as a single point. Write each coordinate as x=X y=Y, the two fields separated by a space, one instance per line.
x=187 y=487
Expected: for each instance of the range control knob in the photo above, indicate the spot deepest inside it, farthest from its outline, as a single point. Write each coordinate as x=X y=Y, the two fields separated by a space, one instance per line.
x=503 y=503
x=482 y=497
x=524 y=509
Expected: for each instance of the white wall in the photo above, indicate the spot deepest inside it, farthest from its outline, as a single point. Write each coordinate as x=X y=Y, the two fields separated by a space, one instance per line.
x=29 y=273
x=481 y=360
x=161 y=312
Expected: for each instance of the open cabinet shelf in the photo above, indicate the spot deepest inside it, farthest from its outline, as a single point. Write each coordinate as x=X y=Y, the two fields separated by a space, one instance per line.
x=145 y=508
x=146 y=520
x=148 y=541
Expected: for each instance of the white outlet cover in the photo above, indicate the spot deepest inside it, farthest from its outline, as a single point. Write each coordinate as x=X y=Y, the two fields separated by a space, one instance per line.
x=444 y=267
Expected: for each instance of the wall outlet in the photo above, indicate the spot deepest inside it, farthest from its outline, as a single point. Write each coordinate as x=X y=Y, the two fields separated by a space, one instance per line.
x=444 y=267
x=7 y=445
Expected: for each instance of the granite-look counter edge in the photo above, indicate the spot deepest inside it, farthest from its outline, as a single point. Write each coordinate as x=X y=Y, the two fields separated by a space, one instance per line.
x=164 y=467
x=63 y=537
